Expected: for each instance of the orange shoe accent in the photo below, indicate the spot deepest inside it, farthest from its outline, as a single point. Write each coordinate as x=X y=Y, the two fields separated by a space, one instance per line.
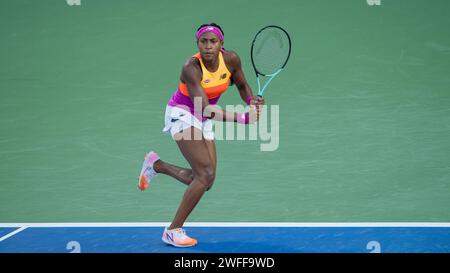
x=143 y=184
x=188 y=242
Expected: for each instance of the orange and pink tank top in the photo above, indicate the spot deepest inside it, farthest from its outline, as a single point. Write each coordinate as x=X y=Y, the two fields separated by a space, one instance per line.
x=214 y=84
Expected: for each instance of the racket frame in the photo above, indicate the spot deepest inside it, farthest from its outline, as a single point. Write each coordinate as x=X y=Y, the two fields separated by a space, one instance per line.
x=271 y=76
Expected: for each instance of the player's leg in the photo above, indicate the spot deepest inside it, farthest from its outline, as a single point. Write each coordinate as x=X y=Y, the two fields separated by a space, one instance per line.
x=185 y=175
x=197 y=154
x=176 y=120
x=212 y=154
x=181 y=174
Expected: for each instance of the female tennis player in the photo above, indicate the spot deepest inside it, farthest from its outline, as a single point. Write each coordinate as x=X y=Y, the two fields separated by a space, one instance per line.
x=204 y=78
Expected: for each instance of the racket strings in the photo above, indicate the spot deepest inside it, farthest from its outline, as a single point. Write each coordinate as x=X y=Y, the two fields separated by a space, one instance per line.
x=270 y=51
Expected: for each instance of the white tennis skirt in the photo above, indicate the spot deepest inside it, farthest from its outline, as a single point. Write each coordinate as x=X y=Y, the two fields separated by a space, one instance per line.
x=178 y=119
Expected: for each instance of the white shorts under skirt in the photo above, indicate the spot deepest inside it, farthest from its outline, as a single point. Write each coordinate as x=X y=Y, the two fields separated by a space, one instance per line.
x=177 y=119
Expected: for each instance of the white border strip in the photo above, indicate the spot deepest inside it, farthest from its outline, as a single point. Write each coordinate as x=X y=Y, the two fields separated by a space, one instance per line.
x=233 y=224
x=12 y=233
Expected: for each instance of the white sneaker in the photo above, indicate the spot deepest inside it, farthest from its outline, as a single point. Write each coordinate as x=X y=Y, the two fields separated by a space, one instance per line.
x=178 y=237
x=147 y=171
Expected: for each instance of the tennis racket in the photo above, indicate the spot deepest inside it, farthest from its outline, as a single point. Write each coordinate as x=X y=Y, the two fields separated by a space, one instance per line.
x=270 y=53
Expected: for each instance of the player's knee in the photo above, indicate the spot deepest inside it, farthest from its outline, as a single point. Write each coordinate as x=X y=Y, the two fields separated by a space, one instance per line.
x=206 y=176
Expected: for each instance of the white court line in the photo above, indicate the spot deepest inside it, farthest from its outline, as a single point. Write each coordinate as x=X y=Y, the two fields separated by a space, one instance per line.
x=233 y=224
x=12 y=233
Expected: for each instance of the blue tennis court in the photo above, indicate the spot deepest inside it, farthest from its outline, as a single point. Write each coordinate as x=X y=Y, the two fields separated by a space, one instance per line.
x=240 y=238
